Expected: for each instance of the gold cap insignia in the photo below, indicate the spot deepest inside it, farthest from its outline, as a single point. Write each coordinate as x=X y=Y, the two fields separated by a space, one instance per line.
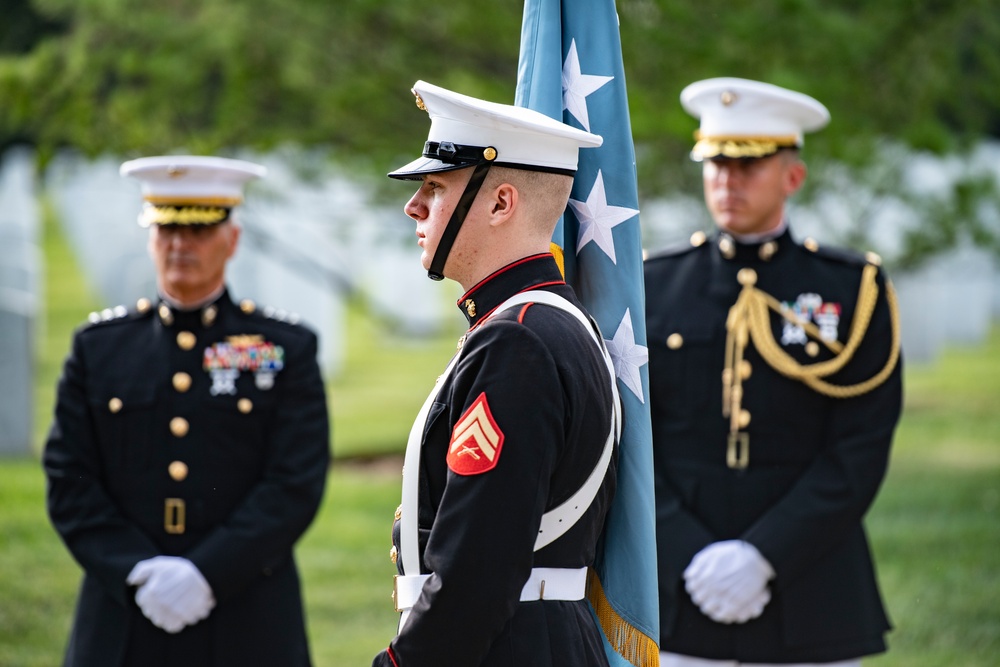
x=419 y=100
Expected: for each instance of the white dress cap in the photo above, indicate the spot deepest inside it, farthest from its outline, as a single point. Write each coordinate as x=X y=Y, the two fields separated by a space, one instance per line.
x=465 y=129
x=190 y=189
x=744 y=118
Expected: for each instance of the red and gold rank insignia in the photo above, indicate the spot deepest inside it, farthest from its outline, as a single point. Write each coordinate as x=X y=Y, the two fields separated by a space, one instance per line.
x=476 y=440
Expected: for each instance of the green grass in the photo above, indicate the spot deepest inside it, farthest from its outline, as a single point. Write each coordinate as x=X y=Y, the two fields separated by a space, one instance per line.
x=935 y=527
x=382 y=385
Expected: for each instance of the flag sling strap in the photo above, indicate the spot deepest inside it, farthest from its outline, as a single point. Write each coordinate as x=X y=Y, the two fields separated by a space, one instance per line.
x=555 y=522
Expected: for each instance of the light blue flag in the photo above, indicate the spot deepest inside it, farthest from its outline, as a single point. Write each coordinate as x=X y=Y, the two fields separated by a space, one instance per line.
x=570 y=69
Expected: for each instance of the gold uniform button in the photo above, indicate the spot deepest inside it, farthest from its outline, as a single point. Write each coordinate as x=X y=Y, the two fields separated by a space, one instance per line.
x=812 y=348
x=244 y=405
x=143 y=304
x=744 y=418
x=179 y=426
x=115 y=405
x=675 y=341
x=873 y=258
x=698 y=239
x=766 y=251
x=178 y=471
x=747 y=277
x=185 y=340
x=247 y=306
x=811 y=244
x=182 y=382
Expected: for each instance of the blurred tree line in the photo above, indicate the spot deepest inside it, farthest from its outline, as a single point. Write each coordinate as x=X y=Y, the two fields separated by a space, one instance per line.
x=131 y=77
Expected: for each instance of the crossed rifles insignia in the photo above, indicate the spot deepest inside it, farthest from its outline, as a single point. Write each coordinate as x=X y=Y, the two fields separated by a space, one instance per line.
x=476 y=440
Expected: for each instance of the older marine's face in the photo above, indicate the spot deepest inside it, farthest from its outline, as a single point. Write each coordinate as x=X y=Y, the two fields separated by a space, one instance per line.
x=747 y=195
x=190 y=260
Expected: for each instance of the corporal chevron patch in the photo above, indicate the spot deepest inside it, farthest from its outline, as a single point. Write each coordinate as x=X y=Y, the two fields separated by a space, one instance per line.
x=476 y=440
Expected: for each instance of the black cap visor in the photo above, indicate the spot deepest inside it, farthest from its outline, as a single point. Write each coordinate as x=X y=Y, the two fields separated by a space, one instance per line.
x=443 y=156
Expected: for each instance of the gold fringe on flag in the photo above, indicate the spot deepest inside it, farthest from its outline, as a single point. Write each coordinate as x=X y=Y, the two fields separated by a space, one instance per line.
x=557 y=252
x=629 y=642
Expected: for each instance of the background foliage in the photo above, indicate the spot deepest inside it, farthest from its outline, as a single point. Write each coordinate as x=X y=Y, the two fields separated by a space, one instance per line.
x=128 y=76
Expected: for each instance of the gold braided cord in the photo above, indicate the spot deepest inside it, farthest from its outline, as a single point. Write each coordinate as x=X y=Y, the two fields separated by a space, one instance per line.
x=850 y=391
x=750 y=317
x=628 y=641
x=781 y=361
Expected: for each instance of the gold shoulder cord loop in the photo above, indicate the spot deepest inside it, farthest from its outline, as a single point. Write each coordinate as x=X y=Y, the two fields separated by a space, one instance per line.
x=749 y=320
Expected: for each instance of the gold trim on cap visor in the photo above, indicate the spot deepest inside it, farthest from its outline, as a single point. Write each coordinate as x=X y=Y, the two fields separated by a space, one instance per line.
x=740 y=146
x=154 y=214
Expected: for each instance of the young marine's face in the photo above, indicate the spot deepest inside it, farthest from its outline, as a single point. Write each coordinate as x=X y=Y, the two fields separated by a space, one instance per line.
x=747 y=195
x=190 y=260
x=431 y=207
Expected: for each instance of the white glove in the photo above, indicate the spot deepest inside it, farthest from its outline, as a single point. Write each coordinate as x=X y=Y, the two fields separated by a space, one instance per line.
x=172 y=592
x=728 y=581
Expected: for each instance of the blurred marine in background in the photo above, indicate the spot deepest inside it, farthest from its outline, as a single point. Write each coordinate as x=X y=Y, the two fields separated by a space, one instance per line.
x=775 y=388
x=189 y=449
x=510 y=466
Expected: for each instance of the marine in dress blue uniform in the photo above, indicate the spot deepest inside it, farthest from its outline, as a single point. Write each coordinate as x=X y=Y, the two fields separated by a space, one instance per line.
x=521 y=420
x=188 y=453
x=775 y=389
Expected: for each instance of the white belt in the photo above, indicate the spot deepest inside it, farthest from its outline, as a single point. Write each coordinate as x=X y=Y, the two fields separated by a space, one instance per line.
x=545 y=583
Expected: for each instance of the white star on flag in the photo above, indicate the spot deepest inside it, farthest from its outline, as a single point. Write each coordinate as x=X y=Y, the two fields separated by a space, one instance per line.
x=597 y=219
x=628 y=356
x=576 y=86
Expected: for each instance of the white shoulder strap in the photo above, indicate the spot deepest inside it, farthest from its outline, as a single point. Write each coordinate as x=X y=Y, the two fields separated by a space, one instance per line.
x=560 y=519
x=555 y=522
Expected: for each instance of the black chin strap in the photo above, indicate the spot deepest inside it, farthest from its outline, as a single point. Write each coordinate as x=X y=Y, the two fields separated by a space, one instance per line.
x=436 y=272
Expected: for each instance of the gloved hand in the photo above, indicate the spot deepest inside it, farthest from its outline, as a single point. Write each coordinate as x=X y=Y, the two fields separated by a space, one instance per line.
x=728 y=581
x=172 y=592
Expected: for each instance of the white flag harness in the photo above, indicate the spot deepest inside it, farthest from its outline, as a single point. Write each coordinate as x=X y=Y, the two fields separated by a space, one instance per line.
x=566 y=584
